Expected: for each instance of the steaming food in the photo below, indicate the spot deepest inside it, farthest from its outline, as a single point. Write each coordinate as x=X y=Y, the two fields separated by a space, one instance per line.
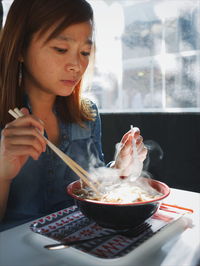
x=117 y=215
x=111 y=188
x=120 y=194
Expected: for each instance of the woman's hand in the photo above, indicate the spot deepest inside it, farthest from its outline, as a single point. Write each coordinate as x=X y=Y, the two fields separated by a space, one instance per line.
x=19 y=140
x=131 y=153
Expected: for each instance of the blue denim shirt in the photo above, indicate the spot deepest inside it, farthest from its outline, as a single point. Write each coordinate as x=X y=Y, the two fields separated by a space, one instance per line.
x=40 y=187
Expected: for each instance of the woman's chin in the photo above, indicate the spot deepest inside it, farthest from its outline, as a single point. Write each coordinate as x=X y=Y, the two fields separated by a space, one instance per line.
x=66 y=92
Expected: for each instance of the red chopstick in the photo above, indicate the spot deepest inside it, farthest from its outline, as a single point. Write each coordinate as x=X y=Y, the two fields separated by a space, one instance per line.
x=178 y=207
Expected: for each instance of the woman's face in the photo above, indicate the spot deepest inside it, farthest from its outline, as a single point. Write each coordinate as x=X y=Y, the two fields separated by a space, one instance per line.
x=57 y=66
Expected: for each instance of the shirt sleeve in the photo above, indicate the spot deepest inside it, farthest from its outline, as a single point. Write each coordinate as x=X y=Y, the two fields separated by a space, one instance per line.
x=96 y=133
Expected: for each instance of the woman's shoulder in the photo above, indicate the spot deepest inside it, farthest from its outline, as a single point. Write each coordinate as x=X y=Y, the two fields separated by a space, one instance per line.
x=87 y=129
x=90 y=107
x=90 y=104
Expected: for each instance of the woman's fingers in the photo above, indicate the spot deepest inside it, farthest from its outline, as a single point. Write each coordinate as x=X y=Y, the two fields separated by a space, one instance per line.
x=124 y=155
x=134 y=134
x=23 y=136
x=142 y=151
x=125 y=158
x=126 y=147
x=30 y=136
x=25 y=140
x=27 y=121
x=21 y=145
x=25 y=111
x=22 y=150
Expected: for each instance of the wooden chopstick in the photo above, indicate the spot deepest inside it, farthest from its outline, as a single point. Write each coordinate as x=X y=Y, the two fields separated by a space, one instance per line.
x=84 y=175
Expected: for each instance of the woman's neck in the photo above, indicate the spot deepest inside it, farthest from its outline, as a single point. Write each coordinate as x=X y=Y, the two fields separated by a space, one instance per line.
x=42 y=107
x=41 y=104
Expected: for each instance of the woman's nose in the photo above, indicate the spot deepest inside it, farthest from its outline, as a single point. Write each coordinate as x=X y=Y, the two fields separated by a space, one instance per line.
x=75 y=67
x=73 y=64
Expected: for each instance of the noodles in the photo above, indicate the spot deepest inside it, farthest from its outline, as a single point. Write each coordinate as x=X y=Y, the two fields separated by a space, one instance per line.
x=120 y=194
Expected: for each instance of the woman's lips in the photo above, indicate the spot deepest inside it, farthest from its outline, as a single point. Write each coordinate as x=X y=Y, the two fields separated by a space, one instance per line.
x=69 y=82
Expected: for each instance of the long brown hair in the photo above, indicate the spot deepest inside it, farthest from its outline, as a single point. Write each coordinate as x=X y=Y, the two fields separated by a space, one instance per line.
x=25 y=18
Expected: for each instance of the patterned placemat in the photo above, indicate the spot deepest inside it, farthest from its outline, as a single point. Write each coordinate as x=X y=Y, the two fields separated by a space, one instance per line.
x=70 y=224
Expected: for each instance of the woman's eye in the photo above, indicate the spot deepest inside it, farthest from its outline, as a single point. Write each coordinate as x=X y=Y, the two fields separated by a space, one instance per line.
x=85 y=53
x=60 y=50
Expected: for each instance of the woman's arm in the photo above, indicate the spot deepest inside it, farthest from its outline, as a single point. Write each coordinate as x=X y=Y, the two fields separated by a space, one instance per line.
x=19 y=140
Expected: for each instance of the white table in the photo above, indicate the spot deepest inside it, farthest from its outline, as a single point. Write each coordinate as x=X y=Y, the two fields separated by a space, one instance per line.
x=175 y=246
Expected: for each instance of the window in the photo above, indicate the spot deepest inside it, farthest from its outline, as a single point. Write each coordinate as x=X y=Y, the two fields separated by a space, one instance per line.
x=6 y=5
x=147 y=55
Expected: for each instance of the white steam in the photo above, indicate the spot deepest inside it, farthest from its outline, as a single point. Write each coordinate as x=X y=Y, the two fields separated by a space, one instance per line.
x=112 y=188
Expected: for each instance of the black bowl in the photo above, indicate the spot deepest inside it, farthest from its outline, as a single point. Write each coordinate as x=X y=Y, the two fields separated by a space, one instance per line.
x=119 y=215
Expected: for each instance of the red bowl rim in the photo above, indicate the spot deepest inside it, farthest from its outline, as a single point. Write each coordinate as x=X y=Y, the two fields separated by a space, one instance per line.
x=161 y=184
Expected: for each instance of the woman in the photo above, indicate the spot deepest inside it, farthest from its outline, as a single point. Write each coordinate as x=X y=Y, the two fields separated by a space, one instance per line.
x=44 y=54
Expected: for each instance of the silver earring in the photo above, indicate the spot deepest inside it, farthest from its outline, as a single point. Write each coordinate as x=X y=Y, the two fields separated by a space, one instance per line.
x=20 y=74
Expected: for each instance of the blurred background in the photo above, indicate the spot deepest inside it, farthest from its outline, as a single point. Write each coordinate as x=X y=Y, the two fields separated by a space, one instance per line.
x=148 y=55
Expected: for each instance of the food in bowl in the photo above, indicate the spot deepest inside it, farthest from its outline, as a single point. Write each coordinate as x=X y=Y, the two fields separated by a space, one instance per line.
x=119 y=215
x=120 y=194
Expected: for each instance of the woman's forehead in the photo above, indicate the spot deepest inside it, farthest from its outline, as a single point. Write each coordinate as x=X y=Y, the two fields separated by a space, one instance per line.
x=76 y=32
